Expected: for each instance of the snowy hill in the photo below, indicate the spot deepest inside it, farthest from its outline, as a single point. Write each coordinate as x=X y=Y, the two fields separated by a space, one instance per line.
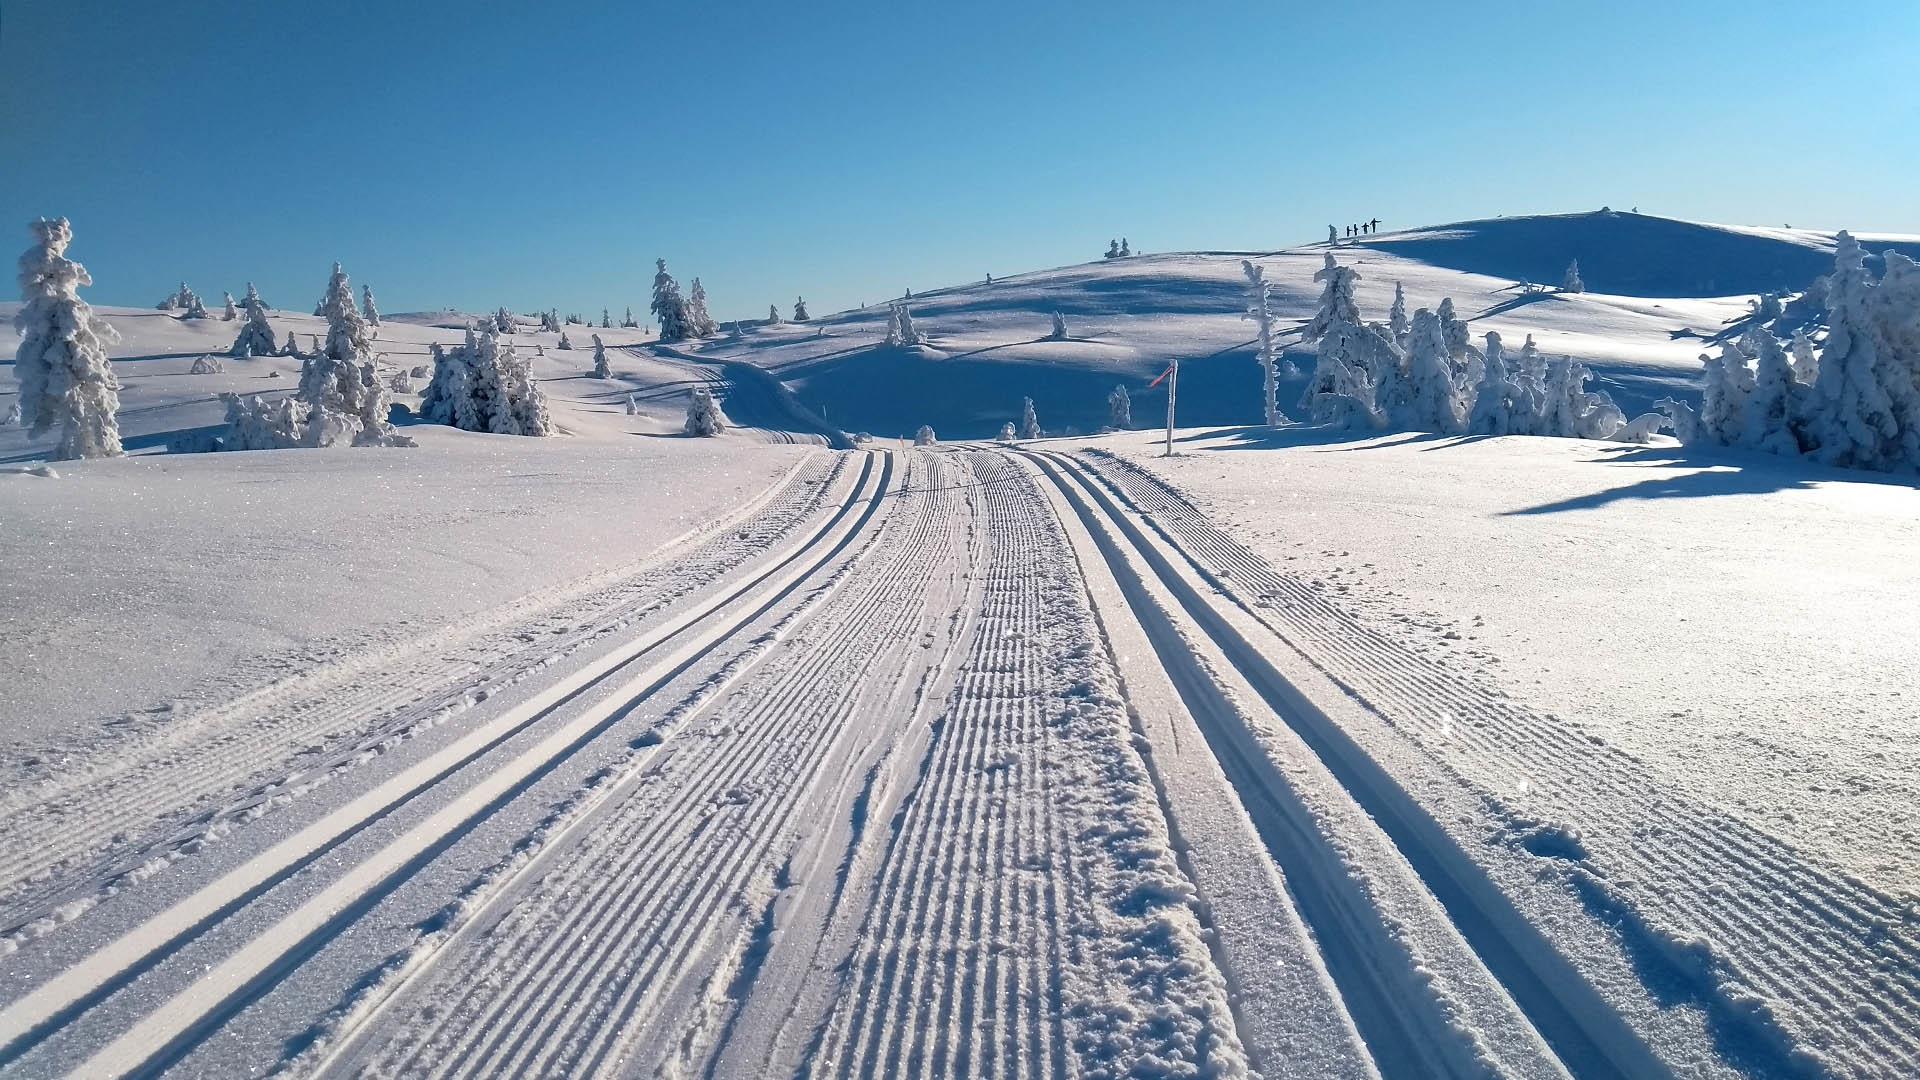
x=1659 y=289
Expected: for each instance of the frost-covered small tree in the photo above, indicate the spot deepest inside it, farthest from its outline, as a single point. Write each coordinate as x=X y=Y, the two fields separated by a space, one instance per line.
x=549 y=322
x=1773 y=422
x=1571 y=282
x=800 y=310
x=1766 y=308
x=606 y=320
x=703 y=415
x=503 y=322
x=1119 y=408
x=368 y=309
x=1336 y=299
x=192 y=307
x=1126 y=249
x=925 y=436
x=1500 y=406
x=773 y=315
x=1029 y=420
x=1433 y=400
x=1397 y=314
x=669 y=307
x=344 y=400
x=565 y=345
x=627 y=320
x=1806 y=367
x=699 y=322
x=1260 y=310
x=231 y=311
x=1113 y=249
x=256 y=334
x=1724 y=396
x=900 y=328
x=1570 y=411
x=1864 y=403
x=1453 y=330
x=633 y=407
x=485 y=385
x=65 y=378
x=1059 y=332
x=601 y=370
x=291 y=348
x=1006 y=433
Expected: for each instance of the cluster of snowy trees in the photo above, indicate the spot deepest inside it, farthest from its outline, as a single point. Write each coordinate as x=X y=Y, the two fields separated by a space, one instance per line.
x=1426 y=374
x=65 y=378
x=484 y=384
x=1118 y=249
x=1853 y=402
x=681 y=317
x=900 y=328
x=185 y=301
x=340 y=400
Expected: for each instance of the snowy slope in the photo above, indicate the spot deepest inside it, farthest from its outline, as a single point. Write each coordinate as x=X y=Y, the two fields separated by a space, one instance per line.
x=1659 y=289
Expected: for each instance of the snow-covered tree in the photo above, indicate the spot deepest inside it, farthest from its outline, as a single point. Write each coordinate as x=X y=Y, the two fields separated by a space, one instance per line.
x=65 y=379
x=1059 y=332
x=1500 y=406
x=291 y=348
x=633 y=407
x=345 y=402
x=606 y=320
x=1333 y=235
x=256 y=334
x=1336 y=299
x=485 y=385
x=191 y=306
x=627 y=320
x=1006 y=433
x=1433 y=396
x=1113 y=249
x=1119 y=408
x=1806 y=368
x=1570 y=410
x=1572 y=282
x=601 y=370
x=1397 y=314
x=1864 y=397
x=800 y=310
x=369 y=309
x=231 y=311
x=1453 y=330
x=925 y=436
x=1126 y=249
x=900 y=328
x=1723 y=404
x=703 y=415
x=773 y=315
x=669 y=307
x=1029 y=420
x=1260 y=310
x=1774 y=409
x=699 y=322
x=565 y=345
x=1766 y=308
x=503 y=322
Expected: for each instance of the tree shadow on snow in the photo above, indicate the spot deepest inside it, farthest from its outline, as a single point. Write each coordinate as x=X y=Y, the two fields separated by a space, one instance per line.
x=1717 y=472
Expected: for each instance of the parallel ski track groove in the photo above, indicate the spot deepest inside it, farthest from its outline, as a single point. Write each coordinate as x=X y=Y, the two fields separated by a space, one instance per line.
x=224 y=755
x=650 y=902
x=1830 y=947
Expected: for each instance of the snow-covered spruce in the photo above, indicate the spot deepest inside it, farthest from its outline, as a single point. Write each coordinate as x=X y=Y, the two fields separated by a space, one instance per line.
x=900 y=328
x=1059 y=332
x=627 y=321
x=773 y=315
x=291 y=348
x=256 y=334
x=1397 y=322
x=703 y=415
x=1865 y=402
x=800 y=310
x=669 y=307
x=339 y=401
x=192 y=307
x=565 y=344
x=1571 y=282
x=1006 y=433
x=601 y=370
x=1260 y=310
x=1433 y=402
x=633 y=407
x=229 y=311
x=606 y=321
x=369 y=309
x=1113 y=249
x=925 y=436
x=1119 y=409
x=65 y=379
x=485 y=385
x=503 y=322
x=1029 y=420
x=700 y=324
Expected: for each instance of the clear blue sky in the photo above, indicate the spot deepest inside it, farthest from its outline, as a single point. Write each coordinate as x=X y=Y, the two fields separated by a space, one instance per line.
x=542 y=154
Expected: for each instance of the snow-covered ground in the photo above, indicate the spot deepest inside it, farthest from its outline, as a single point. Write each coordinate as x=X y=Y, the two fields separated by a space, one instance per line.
x=1296 y=753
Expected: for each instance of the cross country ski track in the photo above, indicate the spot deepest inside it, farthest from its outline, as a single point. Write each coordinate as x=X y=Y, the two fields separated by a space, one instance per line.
x=956 y=762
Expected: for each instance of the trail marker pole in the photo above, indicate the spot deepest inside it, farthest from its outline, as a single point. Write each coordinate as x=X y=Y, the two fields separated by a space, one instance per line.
x=1173 y=392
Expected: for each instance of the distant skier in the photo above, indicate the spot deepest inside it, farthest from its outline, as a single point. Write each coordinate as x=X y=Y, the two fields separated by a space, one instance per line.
x=1376 y=224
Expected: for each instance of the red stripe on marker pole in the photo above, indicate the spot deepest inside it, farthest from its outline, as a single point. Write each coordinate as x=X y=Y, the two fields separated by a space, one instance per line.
x=1162 y=378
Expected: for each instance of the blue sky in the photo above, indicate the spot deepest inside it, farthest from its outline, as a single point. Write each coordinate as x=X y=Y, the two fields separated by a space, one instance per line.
x=542 y=155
